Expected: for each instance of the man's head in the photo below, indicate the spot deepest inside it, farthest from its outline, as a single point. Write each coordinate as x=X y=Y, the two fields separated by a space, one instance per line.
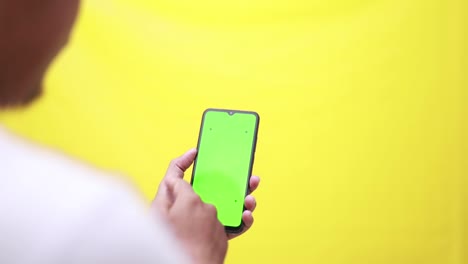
x=32 y=32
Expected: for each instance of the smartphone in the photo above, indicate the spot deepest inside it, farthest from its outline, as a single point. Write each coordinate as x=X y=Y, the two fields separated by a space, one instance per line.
x=223 y=166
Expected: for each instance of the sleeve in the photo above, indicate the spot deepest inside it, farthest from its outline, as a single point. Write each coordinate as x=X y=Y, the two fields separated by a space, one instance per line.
x=121 y=230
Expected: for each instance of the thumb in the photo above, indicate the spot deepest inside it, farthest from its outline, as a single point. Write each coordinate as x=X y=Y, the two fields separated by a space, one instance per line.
x=175 y=173
x=179 y=165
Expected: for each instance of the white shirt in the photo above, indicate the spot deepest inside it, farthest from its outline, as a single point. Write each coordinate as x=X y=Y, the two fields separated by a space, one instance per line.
x=55 y=210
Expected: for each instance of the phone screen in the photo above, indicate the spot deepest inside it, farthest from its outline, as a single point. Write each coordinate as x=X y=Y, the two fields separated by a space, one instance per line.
x=226 y=148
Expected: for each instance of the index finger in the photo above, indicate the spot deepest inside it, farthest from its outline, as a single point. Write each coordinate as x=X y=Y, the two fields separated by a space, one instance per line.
x=181 y=189
x=253 y=183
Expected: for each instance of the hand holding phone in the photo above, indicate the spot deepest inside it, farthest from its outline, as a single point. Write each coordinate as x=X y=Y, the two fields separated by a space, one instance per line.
x=203 y=237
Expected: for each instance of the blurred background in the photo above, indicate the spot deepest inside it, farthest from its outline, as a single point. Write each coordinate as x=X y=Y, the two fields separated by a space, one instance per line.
x=363 y=141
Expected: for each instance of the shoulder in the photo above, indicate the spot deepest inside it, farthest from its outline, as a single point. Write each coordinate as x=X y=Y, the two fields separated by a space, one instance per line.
x=77 y=213
x=35 y=174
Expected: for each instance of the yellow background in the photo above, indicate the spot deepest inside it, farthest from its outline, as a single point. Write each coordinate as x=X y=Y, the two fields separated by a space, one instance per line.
x=362 y=102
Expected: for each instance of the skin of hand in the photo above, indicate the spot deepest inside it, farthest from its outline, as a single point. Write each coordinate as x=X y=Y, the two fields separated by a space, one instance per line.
x=250 y=205
x=203 y=236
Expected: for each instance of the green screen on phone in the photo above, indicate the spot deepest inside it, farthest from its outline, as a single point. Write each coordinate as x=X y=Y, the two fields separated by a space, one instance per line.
x=224 y=162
